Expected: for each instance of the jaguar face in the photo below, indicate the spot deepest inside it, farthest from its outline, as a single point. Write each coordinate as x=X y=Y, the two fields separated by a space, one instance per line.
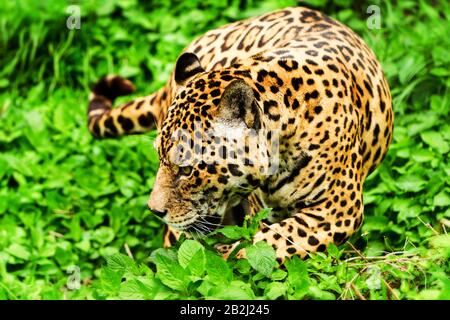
x=207 y=148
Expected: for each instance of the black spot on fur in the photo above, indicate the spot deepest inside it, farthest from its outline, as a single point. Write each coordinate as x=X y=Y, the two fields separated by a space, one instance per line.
x=126 y=123
x=339 y=237
x=222 y=179
x=234 y=170
x=301 y=232
x=296 y=83
x=145 y=120
x=291 y=250
x=313 y=241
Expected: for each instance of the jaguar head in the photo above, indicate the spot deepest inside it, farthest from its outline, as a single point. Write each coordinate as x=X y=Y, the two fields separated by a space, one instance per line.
x=210 y=148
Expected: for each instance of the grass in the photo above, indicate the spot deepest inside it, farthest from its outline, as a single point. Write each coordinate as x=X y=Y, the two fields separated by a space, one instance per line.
x=69 y=202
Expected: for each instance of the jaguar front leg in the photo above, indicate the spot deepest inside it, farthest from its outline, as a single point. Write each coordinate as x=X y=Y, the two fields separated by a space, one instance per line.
x=170 y=236
x=312 y=229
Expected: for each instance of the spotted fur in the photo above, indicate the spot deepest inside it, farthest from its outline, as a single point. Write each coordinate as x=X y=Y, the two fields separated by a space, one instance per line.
x=296 y=72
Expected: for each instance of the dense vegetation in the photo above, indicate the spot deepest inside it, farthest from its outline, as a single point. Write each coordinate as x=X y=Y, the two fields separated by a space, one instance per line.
x=69 y=202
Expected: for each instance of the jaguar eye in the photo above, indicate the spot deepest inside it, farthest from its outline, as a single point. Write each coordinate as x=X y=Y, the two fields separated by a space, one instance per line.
x=185 y=171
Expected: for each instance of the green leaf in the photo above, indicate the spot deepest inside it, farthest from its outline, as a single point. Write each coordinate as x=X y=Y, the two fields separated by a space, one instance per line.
x=18 y=251
x=275 y=290
x=243 y=267
x=442 y=199
x=236 y=290
x=170 y=272
x=62 y=119
x=255 y=221
x=187 y=250
x=374 y=248
x=440 y=72
x=298 y=277
x=128 y=71
x=278 y=275
x=423 y=155
x=441 y=241
x=121 y=264
x=217 y=268
x=138 y=289
x=320 y=294
x=109 y=282
x=262 y=257
x=233 y=232
x=197 y=265
x=333 y=251
x=4 y=83
x=411 y=183
x=435 y=140
x=131 y=290
x=104 y=235
x=379 y=223
x=445 y=293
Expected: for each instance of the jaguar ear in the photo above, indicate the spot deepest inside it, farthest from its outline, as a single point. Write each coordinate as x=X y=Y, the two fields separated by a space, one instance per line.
x=187 y=66
x=238 y=103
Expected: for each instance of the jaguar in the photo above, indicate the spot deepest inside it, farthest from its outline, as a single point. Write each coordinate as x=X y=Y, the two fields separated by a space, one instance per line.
x=289 y=110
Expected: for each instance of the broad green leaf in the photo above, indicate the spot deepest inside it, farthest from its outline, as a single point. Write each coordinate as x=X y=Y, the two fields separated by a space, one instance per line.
x=442 y=199
x=236 y=290
x=275 y=290
x=197 y=264
x=255 y=221
x=217 y=269
x=278 y=275
x=121 y=264
x=233 y=232
x=206 y=287
x=128 y=71
x=130 y=290
x=430 y=294
x=138 y=289
x=411 y=183
x=170 y=272
x=103 y=235
x=62 y=119
x=435 y=140
x=320 y=294
x=110 y=282
x=333 y=251
x=423 y=155
x=18 y=251
x=374 y=248
x=261 y=257
x=298 y=277
x=187 y=250
x=243 y=267
x=441 y=241
x=445 y=292
x=440 y=72
x=375 y=223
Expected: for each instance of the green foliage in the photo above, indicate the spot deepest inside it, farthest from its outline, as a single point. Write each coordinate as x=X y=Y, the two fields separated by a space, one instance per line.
x=195 y=272
x=68 y=200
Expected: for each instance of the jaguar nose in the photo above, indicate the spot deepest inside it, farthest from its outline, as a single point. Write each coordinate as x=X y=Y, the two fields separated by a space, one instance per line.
x=160 y=214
